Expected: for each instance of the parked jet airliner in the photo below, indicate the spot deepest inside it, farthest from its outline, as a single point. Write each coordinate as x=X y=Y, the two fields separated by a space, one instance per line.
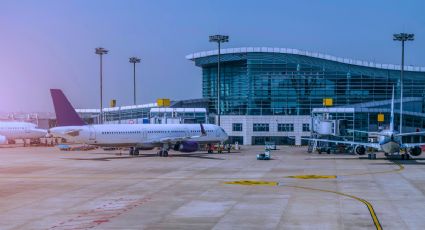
x=10 y=131
x=389 y=140
x=180 y=137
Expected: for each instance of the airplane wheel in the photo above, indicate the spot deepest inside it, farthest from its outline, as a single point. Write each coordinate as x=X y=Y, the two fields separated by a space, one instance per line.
x=160 y=153
x=136 y=152
x=131 y=152
x=328 y=151
x=165 y=154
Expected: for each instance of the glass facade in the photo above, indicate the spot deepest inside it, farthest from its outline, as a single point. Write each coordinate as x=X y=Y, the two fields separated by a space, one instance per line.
x=267 y=83
x=235 y=139
x=260 y=127
x=285 y=127
x=278 y=140
x=237 y=127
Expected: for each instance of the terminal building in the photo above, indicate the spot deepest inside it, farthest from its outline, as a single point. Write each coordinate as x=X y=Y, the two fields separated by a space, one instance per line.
x=273 y=94
x=281 y=95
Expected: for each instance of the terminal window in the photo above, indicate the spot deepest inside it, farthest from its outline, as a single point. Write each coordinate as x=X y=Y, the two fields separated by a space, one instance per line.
x=237 y=127
x=306 y=127
x=285 y=127
x=260 y=127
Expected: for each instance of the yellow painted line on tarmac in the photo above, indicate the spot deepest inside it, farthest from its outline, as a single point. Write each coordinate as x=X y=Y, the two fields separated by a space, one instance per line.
x=399 y=169
x=274 y=183
x=312 y=176
x=365 y=202
x=253 y=183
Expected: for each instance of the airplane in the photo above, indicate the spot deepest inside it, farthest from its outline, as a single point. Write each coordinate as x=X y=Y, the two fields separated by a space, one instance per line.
x=12 y=130
x=389 y=140
x=179 y=137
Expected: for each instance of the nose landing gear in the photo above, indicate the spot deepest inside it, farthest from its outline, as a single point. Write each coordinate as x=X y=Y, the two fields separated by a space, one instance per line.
x=164 y=151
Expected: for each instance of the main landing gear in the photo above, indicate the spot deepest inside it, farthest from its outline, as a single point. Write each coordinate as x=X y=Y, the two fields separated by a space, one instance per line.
x=405 y=156
x=134 y=151
x=163 y=152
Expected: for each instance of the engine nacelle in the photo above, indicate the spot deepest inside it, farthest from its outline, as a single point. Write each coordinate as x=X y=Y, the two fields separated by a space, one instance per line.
x=187 y=146
x=415 y=151
x=3 y=140
x=360 y=150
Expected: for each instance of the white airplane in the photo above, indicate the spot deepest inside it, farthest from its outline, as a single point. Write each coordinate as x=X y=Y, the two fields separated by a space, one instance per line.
x=180 y=137
x=389 y=140
x=10 y=131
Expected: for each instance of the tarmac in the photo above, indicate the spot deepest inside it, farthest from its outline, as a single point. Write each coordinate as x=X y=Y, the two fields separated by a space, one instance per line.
x=45 y=188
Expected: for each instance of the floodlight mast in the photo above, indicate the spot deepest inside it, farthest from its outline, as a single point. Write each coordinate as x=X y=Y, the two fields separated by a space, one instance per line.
x=218 y=39
x=101 y=51
x=134 y=60
x=402 y=37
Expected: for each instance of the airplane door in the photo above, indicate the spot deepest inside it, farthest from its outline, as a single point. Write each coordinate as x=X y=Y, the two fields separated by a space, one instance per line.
x=144 y=136
x=92 y=133
x=217 y=133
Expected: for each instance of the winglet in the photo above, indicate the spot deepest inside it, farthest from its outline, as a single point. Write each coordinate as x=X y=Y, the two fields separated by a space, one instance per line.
x=65 y=113
x=203 y=132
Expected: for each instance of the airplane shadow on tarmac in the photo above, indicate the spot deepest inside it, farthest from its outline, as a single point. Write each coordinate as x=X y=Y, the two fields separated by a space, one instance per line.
x=413 y=161
x=191 y=155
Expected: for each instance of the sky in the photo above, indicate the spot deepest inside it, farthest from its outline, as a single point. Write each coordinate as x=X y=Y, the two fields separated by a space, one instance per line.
x=50 y=44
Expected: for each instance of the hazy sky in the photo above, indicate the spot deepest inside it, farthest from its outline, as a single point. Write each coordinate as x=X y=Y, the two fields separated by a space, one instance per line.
x=50 y=44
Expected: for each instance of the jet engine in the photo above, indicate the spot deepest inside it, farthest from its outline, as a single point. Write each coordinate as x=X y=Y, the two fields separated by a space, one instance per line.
x=3 y=140
x=360 y=150
x=415 y=151
x=187 y=146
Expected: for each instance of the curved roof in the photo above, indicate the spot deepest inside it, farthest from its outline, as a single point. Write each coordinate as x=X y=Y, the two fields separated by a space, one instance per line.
x=303 y=53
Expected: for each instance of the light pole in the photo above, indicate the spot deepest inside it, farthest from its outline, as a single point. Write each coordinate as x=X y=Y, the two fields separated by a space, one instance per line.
x=134 y=60
x=402 y=37
x=219 y=39
x=101 y=51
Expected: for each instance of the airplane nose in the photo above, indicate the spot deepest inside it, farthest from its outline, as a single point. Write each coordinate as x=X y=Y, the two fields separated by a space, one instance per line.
x=226 y=137
x=48 y=134
x=54 y=133
x=41 y=132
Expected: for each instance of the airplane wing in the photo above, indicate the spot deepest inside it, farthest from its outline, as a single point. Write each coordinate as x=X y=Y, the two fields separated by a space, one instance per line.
x=74 y=132
x=373 y=133
x=410 y=134
x=411 y=145
x=372 y=145
x=175 y=139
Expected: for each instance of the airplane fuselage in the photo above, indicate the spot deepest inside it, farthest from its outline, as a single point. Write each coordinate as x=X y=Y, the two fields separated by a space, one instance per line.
x=138 y=135
x=20 y=130
x=389 y=142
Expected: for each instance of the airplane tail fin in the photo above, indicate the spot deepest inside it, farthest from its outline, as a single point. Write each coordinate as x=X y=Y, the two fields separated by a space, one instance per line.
x=65 y=113
x=392 y=113
x=203 y=132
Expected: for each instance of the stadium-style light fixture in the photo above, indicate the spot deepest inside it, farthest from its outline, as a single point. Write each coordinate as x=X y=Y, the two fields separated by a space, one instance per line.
x=101 y=51
x=218 y=39
x=402 y=37
x=134 y=60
